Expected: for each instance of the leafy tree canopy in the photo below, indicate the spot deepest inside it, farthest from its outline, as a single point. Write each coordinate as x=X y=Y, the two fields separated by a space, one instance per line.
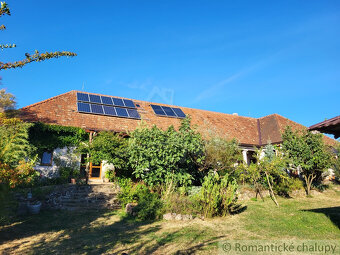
x=107 y=146
x=14 y=145
x=221 y=155
x=156 y=155
x=307 y=152
x=7 y=101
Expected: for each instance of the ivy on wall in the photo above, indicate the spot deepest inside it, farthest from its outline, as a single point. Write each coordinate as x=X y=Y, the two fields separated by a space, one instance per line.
x=45 y=137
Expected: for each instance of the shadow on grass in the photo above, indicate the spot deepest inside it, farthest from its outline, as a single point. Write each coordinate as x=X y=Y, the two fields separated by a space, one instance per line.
x=238 y=209
x=95 y=232
x=333 y=213
x=74 y=232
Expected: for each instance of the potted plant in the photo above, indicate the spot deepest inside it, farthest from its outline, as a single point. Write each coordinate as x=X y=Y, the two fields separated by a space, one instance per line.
x=74 y=174
x=34 y=206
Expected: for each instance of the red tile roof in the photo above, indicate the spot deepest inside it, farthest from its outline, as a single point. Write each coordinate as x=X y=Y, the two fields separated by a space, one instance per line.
x=62 y=110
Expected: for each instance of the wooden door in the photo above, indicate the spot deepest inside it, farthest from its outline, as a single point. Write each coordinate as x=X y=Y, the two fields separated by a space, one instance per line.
x=95 y=171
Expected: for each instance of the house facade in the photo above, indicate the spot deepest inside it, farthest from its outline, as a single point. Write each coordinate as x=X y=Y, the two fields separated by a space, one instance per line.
x=96 y=112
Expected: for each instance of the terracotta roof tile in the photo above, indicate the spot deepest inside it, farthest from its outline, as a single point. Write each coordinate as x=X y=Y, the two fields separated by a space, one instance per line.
x=62 y=110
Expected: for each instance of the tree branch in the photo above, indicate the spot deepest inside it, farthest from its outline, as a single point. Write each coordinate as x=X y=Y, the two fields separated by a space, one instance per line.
x=36 y=57
x=4 y=9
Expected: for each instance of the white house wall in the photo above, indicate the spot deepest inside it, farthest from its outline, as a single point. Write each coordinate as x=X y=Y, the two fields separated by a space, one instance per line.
x=66 y=156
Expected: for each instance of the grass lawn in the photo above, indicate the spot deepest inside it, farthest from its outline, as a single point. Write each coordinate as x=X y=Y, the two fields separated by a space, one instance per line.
x=104 y=232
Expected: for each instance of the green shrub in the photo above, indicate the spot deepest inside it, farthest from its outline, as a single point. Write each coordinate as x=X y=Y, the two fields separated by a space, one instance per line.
x=66 y=173
x=149 y=205
x=285 y=187
x=129 y=191
x=221 y=155
x=110 y=175
x=217 y=195
x=110 y=147
x=157 y=155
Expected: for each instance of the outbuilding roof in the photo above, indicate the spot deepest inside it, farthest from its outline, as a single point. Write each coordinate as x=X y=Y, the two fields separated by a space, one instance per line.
x=331 y=126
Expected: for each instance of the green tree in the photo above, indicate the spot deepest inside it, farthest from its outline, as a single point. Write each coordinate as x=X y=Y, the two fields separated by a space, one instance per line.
x=272 y=164
x=14 y=150
x=110 y=147
x=268 y=171
x=7 y=101
x=221 y=155
x=14 y=145
x=36 y=57
x=306 y=152
x=157 y=155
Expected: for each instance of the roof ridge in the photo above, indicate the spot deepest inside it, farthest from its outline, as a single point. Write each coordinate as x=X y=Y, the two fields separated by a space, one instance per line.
x=278 y=115
x=46 y=100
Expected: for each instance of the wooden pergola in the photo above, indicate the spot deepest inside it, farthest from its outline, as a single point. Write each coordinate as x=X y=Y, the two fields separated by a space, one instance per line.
x=331 y=126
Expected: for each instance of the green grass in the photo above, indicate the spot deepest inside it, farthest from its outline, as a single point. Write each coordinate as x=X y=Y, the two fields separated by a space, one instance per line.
x=106 y=232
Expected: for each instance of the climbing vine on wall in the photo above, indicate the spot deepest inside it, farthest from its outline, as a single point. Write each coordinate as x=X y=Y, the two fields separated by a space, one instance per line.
x=49 y=137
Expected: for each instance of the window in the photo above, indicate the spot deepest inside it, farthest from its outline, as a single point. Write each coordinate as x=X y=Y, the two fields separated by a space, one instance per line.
x=46 y=158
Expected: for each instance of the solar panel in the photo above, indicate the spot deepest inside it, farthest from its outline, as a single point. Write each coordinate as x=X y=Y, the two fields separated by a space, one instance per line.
x=83 y=107
x=133 y=113
x=95 y=99
x=129 y=103
x=118 y=101
x=158 y=110
x=89 y=103
x=169 y=111
x=179 y=112
x=97 y=109
x=109 y=110
x=107 y=100
x=83 y=97
x=121 y=112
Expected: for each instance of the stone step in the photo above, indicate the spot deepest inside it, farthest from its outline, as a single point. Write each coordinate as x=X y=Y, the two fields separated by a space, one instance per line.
x=94 y=195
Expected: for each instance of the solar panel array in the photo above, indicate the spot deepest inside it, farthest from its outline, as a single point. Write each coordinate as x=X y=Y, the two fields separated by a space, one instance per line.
x=168 y=111
x=104 y=105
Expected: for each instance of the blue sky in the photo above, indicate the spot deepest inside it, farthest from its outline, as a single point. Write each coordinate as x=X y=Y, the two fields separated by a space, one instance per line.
x=251 y=57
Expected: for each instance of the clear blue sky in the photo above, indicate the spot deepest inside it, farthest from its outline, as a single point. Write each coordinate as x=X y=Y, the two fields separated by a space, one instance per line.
x=251 y=57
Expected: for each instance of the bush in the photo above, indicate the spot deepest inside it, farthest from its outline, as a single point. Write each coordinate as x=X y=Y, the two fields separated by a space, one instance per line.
x=221 y=155
x=291 y=184
x=66 y=173
x=156 y=154
x=110 y=175
x=110 y=147
x=129 y=192
x=217 y=195
x=149 y=205
x=22 y=175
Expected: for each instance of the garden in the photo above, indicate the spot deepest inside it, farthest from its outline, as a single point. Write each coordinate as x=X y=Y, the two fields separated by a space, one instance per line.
x=174 y=187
